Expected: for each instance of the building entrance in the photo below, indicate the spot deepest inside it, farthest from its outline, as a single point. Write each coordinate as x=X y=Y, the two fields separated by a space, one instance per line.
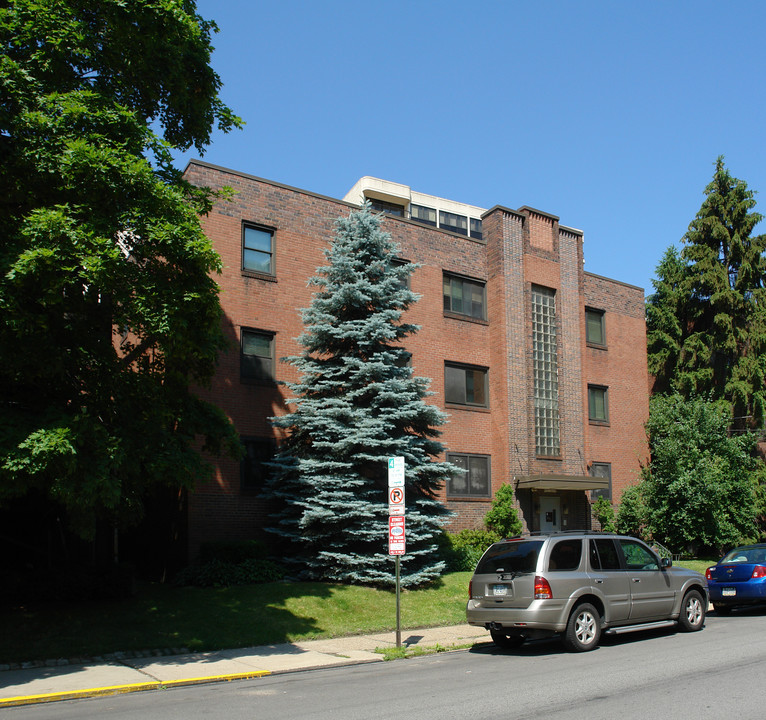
x=550 y=514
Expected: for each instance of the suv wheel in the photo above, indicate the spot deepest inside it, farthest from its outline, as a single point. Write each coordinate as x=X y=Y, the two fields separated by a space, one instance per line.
x=583 y=629
x=504 y=640
x=692 y=615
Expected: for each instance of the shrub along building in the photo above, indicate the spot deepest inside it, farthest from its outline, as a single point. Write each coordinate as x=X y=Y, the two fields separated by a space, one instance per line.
x=540 y=365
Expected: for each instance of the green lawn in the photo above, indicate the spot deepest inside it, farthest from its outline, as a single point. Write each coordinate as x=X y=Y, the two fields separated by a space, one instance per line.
x=165 y=616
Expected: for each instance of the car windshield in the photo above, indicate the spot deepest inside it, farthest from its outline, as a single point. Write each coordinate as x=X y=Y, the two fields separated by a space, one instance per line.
x=745 y=555
x=517 y=556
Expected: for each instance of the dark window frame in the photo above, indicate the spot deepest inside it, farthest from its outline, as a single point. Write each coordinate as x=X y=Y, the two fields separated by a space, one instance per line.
x=592 y=312
x=444 y=215
x=415 y=207
x=451 y=457
x=386 y=206
x=267 y=376
x=465 y=403
x=595 y=494
x=593 y=417
x=272 y=271
x=396 y=261
x=475 y=227
x=252 y=472
x=448 y=301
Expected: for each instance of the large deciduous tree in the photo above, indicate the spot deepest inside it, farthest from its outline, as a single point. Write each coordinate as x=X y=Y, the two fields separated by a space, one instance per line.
x=357 y=404
x=707 y=319
x=108 y=313
x=698 y=493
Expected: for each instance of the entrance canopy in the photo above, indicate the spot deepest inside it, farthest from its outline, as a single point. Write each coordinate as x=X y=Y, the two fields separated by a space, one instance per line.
x=560 y=482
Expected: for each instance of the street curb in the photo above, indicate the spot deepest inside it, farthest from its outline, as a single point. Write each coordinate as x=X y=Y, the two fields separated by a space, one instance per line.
x=123 y=689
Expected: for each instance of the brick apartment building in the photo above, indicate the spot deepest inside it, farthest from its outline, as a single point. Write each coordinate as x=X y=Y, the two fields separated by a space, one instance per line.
x=540 y=365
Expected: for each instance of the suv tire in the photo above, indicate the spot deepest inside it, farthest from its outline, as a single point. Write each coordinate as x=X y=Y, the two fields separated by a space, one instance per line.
x=692 y=616
x=505 y=640
x=583 y=629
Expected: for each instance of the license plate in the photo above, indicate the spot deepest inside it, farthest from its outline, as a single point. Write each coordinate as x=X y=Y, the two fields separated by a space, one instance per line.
x=728 y=592
x=499 y=589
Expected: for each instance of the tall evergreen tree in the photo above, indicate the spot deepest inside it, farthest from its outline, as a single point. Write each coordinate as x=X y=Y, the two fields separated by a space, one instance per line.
x=666 y=320
x=706 y=321
x=357 y=404
x=724 y=350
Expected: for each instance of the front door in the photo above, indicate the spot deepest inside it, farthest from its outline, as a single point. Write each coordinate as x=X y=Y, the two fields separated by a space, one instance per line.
x=550 y=514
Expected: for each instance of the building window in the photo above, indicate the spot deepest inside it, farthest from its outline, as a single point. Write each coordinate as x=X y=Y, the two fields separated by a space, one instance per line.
x=422 y=214
x=598 y=404
x=404 y=283
x=595 y=330
x=253 y=470
x=474 y=481
x=258 y=249
x=545 y=372
x=465 y=385
x=465 y=297
x=386 y=207
x=476 y=229
x=453 y=222
x=602 y=470
x=256 y=362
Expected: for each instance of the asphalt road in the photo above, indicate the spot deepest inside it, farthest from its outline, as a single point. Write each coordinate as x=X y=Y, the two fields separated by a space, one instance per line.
x=715 y=673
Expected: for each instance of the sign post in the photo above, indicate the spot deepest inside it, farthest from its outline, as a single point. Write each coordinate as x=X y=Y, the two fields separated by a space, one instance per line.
x=396 y=528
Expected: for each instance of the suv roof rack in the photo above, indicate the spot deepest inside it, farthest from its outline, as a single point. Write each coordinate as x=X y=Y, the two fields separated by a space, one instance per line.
x=546 y=533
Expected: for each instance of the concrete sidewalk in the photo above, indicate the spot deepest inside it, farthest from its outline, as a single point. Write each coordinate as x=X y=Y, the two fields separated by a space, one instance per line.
x=66 y=682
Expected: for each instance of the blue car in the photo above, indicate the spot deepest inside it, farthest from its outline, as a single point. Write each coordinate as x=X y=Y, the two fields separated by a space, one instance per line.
x=739 y=578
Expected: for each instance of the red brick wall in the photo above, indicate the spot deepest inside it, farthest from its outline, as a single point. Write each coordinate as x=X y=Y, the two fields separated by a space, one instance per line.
x=520 y=248
x=622 y=368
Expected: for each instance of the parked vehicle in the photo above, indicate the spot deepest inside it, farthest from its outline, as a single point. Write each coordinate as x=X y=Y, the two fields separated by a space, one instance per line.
x=739 y=578
x=580 y=585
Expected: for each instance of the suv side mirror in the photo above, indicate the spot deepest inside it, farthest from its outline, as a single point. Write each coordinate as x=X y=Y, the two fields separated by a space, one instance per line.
x=666 y=563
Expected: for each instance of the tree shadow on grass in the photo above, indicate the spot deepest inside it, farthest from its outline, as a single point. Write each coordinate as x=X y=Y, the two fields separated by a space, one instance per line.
x=162 y=617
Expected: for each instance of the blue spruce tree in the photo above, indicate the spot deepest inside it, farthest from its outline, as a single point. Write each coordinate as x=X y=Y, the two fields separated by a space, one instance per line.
x=357 y=404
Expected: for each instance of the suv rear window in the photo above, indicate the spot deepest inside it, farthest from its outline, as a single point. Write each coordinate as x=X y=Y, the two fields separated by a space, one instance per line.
x=515 y=556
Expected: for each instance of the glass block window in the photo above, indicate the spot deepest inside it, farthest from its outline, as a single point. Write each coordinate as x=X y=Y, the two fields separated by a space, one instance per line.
x=258 y=249
x=545 y=372
x=422 y=214
x=475 y=478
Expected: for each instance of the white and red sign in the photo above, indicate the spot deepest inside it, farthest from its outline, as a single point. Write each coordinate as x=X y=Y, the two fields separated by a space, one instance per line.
x=396 y=501
x=396 y=535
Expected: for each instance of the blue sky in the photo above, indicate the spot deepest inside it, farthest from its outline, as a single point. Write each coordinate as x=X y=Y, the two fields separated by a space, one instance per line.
x=609 y=115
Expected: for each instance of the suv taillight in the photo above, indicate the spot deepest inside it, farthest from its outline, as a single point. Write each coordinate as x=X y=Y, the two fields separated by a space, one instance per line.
x=708 y=576
x=470 y=589
x=759 y=571
x=542 y=588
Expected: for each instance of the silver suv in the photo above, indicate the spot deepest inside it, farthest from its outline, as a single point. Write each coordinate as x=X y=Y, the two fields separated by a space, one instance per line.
x=580 y=584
